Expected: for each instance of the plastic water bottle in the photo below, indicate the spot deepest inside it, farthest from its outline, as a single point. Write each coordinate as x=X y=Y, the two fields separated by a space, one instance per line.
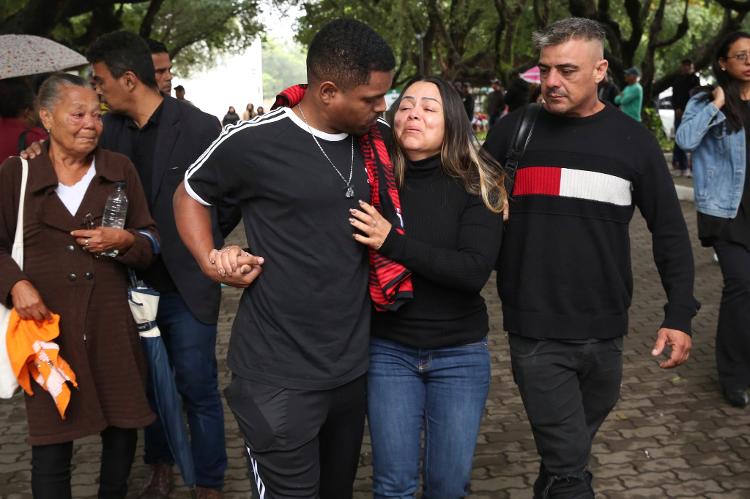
x=115 y=211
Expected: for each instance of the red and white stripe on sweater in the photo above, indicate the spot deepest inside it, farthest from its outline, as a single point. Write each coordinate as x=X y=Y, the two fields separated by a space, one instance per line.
x=571 y=183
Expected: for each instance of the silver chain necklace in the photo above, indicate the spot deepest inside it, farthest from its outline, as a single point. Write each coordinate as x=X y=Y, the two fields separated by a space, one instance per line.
x=349 y=186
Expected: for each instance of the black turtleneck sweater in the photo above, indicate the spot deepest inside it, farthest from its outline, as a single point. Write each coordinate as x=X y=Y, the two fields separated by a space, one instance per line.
x=451 y=244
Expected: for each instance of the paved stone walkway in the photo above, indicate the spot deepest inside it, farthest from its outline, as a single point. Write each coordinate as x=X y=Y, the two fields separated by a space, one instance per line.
x=671 y=435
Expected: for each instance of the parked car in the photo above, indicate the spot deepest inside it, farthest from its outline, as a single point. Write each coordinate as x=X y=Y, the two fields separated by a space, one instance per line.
x=666 y=112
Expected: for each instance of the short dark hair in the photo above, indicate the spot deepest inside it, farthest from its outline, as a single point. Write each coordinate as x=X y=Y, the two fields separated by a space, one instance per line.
x=345 y=51
x=179 y=88
x=687 y=61
x=16 y=96
x=567 y=29
x=155 y=46
x=123 y=51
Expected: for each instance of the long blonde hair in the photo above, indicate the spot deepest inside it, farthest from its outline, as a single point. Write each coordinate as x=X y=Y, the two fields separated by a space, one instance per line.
x=461 y=155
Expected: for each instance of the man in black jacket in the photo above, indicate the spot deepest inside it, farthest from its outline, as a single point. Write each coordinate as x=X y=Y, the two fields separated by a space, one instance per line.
x=162 y=137
x=682 y=90
x=564 y=278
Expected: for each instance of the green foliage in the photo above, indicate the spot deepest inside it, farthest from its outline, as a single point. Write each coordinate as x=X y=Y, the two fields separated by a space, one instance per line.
x=202 y=29
x=9 y=7
x=283 y=66
x=703 y=18
x=652 y=120
x=473 y=40
x=195 y=31
x=396 y=20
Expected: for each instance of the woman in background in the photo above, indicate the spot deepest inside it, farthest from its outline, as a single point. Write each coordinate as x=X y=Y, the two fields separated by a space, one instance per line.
x=249 y=112
x=715 y=128
x=231 y=117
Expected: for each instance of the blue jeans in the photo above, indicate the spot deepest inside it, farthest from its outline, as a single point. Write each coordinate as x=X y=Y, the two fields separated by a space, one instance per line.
x=191 y=345
x=439 y=391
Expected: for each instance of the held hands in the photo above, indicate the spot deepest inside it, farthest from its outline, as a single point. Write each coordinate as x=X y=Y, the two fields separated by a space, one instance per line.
x=103 y=239
x=28 y=303
x=233 y=266
x=679 y=342
x=371 y=223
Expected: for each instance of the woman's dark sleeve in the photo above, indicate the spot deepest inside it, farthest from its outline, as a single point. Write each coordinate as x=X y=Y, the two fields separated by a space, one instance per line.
x=468 y=265
x=10 y=192
x=142 y=253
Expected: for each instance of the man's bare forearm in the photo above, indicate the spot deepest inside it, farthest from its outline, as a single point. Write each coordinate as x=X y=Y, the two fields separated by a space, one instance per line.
x=194 y=226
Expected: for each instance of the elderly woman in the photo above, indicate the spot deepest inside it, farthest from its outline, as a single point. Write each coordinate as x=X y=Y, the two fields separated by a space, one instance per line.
x=68 y=184
x=429 y=360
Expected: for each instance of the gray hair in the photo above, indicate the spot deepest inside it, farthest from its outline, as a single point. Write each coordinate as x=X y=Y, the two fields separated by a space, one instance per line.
x=49 y=92
x=567 y=29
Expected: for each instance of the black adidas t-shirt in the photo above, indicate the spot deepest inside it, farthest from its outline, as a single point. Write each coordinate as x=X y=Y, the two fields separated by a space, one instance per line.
x=305 y=322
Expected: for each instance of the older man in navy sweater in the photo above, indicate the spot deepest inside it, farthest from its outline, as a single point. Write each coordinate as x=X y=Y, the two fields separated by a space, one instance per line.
x=565 y=279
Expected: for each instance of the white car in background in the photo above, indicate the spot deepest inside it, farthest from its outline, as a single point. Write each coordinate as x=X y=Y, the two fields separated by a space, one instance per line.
x=666 y=112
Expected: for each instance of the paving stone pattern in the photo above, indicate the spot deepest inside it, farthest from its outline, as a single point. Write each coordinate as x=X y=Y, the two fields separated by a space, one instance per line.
x=671 y=435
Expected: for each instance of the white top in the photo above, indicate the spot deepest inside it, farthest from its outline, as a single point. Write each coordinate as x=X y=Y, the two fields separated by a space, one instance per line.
x=72 y=195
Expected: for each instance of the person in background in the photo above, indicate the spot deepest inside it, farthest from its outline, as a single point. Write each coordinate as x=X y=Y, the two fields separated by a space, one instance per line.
x=630 y=99
x=608 y=90
x=231 y=117
x=162 y=65
x=682 y=90
x=715 y=128
x=70 y=180
x=18 y=121
x=495 y=102
x=429 y=360
x=163 y=136
x=464 y=89
x=261 y=111
x=249 y=112
x=299 y=346
x=179 y=94
x=518 y=94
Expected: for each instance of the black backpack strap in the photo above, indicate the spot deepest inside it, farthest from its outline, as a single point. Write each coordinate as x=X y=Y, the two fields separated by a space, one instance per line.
x=521 y=139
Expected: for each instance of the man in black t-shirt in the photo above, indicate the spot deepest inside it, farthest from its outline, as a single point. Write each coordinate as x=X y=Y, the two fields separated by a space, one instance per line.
x=299 y=344
x=682 y=90
x=564 y=277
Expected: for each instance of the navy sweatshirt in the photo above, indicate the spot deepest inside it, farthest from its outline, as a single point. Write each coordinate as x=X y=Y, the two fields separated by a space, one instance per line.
x=564 y=268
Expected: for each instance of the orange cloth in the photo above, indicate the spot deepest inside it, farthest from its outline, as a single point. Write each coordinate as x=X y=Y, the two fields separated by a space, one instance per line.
x=33 y=355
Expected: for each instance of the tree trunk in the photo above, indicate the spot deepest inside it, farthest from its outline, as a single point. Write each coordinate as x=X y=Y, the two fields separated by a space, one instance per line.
x=704 y=54
x=37 y=17
x=147 y=23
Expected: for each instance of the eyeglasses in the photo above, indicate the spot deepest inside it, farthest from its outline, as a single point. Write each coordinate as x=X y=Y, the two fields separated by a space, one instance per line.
x=739 y=57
